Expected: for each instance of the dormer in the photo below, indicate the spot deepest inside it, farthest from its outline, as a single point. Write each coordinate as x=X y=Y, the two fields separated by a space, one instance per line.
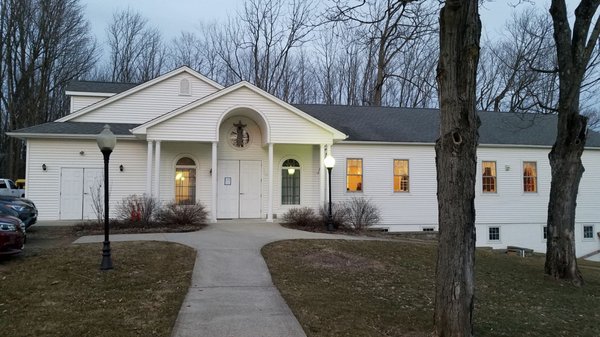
x=85 y=93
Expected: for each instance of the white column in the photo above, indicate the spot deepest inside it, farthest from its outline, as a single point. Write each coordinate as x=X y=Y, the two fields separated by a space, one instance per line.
x=149 y=169
x=157 y=170
x=270 y=207
x=213 y=216
x=322 y=176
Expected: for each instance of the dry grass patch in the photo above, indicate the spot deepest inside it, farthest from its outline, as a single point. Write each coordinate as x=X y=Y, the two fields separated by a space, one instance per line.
x=62 y=292
x=376 y=288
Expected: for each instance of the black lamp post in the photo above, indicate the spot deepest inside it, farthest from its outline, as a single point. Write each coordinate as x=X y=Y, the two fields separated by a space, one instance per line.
x=329 y=164
x=106 y=142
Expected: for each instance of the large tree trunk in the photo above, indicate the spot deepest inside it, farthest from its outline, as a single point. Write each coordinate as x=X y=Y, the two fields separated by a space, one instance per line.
x=574 y=49
x=456 y=162
x=567 y=169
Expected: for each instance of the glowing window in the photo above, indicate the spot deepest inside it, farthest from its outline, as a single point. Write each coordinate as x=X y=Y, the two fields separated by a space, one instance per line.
x=529 y=176
x=354 y=177
x=185 y=181
x=488 y=176
x=400 y=175
x=290 y=182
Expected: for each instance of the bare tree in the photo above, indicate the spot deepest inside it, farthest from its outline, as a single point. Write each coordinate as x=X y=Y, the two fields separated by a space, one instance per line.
x=574 y=50
x=389 y=27
x=137 y=53
x=456 y=161
x=44 y=45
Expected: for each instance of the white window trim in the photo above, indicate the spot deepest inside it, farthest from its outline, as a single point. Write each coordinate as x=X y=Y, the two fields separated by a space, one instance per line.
x=174 y=170
x=481 y=191
x=583 y=238
x=394 y=176
x=499 y=234
x=542 y=232
x=537 y=177
x=362 y=173
x=299 y=168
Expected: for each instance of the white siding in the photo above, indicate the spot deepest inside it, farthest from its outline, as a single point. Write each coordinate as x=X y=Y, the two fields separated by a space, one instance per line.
x=80 y=102
x=148 y=103
x=43 y=187
x=200 y=123
x=519 y=215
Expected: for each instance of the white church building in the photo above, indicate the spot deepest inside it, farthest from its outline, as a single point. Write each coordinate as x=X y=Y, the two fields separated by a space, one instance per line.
x=244 y=153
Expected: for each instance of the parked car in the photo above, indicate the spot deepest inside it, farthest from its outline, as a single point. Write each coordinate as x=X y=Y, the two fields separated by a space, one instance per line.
x=25 y=208
x=9 y=188
x=12 y=235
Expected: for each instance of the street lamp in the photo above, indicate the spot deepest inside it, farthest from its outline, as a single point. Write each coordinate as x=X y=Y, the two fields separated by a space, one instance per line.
x=106 y=142
x=329 y=164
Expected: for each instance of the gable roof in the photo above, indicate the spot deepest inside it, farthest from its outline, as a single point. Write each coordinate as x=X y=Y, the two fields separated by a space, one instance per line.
x=243 y=84
x=139 y=88
x=412 y=125
x=79 y=87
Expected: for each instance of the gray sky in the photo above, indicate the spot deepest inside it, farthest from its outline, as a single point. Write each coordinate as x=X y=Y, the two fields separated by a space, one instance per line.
x=174 y=16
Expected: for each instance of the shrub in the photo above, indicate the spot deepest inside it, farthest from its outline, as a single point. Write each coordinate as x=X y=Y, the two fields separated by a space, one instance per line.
x=339 y=213
x=137 y=209
x=362 y=214
x=173 y=214
x=302 y=217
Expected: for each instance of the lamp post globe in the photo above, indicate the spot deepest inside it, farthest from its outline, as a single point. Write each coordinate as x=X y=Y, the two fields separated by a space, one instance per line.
x=329 y=162
x=106 y=143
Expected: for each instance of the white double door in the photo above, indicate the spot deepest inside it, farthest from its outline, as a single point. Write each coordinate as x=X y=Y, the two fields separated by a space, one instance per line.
x=78 y=187
x=239 y=189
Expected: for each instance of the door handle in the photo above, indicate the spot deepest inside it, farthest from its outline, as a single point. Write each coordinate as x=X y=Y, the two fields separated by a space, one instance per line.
x=241 y=193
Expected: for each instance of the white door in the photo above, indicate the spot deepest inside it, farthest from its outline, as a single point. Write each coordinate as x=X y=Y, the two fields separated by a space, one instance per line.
x=76 y=188
x=71 y=193
x=239 y=189
x=93 y=191
x=228 y=189
x=250 y=191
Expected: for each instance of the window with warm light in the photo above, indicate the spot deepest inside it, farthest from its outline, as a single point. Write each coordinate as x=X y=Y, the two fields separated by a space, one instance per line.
x=401 y=175
x=290 y=182
x=185 y=181
x=529 y=176
x=354 y=177
x=488 y=176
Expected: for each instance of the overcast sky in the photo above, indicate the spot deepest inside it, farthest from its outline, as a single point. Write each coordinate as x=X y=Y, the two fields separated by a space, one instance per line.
x=174 y=16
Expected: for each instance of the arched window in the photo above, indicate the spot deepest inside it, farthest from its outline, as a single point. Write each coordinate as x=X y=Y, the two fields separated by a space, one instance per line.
x=184 y=87
x=290 y=182
x=185 y=181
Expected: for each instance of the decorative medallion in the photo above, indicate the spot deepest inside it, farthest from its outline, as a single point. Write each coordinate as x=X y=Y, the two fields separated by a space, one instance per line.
x=239 y=136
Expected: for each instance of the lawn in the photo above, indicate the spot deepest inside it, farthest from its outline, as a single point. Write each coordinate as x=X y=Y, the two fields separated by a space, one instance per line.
x=61 y=291
x=376 y=288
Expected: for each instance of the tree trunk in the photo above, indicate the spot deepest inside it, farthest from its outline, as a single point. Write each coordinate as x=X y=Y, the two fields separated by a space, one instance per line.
x=456 y=162
x=567 y=169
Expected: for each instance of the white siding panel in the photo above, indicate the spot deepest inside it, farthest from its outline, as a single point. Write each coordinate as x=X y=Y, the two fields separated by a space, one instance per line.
x=43 y=187
x=80 y=102
x=200 y=123
x=149 y=103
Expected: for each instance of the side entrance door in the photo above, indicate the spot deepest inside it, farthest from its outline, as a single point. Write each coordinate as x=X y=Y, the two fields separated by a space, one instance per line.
x=239 y=189
x=78 y=189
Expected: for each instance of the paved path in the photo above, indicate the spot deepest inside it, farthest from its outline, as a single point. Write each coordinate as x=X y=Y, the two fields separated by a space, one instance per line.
x=232 y=294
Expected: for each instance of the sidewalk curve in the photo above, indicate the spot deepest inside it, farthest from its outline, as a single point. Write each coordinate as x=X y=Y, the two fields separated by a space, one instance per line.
x=232 y=294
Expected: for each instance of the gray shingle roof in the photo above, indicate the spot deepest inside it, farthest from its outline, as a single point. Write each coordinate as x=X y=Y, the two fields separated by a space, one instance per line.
x=385 y=124
x=77 y=128
x=381 y=124
x=103 y=87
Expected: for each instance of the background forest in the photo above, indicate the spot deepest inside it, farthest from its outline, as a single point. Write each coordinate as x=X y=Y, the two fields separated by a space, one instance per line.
x=302 y=51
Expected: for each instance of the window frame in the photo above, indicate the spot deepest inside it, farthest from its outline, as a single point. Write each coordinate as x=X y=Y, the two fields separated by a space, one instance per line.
x=407 y=175
x=361 y=175
x=489 y=234
x=298 y=170
x=494 y=177
x=192 y=188
x=534 y=177
x=583 y=227
x=544 y=233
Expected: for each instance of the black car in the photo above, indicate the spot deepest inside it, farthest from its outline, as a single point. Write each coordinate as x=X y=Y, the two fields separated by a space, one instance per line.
x=25 y=208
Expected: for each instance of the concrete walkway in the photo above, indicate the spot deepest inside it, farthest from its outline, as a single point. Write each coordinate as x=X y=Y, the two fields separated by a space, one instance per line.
x=232 y=294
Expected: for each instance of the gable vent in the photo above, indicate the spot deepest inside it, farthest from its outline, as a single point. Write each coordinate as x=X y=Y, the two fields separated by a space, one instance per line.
x=185 y=87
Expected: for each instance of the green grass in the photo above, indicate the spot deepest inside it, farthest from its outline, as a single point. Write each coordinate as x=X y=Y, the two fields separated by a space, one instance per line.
x=62 y=292
x=376 y=288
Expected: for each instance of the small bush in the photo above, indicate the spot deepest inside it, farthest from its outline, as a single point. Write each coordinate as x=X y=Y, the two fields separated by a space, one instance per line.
x=362 y=214
x=173 y=214
x=137 y=209
x=339 y=213
x=302 y=217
